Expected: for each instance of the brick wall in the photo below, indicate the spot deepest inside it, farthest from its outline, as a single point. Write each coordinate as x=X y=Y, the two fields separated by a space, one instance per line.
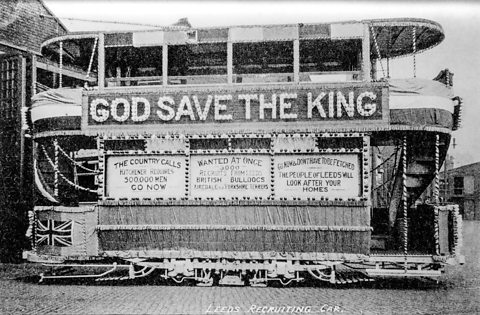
x=27 y=23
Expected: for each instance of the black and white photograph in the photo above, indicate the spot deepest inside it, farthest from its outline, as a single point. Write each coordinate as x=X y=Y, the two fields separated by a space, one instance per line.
x=239 y=157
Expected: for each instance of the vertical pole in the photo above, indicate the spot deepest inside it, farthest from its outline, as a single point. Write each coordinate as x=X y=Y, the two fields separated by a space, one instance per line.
x=229 y=62
x=366 y=65
x=31 y=225
x=366 y=157
x=22 y=86
x=373 y=71
x=34 y=74
x=414 y=48
x=296 y=60
x=187 y=167
x=404 y=200
x=436 y=188
x=388 y=67
x=436 y=228
x=445 y=179
x=101 y=192
x=75 y=169
x=101 y=61
x=165 y=64
x=373 y=158
x=272 y=166
x=377 y=48
x=55 y=178
x=95 y=43
x=60 y=72
x=22 y=184
x=31 y=192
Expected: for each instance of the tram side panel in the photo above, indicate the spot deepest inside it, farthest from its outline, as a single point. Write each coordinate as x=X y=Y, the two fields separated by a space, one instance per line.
x=234 y=228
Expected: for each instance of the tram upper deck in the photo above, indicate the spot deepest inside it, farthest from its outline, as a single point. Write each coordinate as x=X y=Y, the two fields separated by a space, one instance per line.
x=309 y=77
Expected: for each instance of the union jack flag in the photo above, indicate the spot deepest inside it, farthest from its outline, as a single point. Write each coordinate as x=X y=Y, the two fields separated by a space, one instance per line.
x=56 y=233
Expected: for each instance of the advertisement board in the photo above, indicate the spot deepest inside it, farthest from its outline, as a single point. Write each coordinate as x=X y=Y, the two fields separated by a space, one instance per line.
x=317 y=176
x=145 y=176
x=227 y=176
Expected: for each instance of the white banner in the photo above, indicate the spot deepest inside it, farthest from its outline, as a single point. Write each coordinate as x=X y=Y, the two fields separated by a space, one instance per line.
x=316 y=176
x=226 y=176
x=145 y=176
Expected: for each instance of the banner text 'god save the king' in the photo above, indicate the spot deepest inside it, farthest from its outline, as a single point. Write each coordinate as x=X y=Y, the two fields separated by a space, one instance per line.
x=197 y=106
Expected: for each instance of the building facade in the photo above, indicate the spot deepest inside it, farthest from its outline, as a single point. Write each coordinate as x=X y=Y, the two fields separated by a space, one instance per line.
x=463 y=188
x=24 y=25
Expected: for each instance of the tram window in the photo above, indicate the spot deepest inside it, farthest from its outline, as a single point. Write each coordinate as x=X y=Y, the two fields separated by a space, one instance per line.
x=133 y=62
x=263 y=57
x=86 y=177
x=208 y=144
x=251 y=143
x=339 y=143
x=76 y=54
x=201 y=59
x=326 y=55
x=123 y=145
x=79 y=63
x=47 y=79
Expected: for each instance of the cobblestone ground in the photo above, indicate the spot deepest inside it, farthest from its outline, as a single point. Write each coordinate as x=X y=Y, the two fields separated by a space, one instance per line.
x=458 y=293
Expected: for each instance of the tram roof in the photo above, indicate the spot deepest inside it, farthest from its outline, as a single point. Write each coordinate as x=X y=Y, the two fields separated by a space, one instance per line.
x=393 y=37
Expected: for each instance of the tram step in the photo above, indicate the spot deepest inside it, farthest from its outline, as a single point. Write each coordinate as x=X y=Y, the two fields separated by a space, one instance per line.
x=62 y=271
x=351 y=277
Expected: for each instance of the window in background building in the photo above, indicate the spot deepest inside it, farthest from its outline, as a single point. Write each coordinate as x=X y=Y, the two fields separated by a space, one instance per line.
x=458 y=185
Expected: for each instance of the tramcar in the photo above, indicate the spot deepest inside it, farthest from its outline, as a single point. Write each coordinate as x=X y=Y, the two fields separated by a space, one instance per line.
x=242 y=155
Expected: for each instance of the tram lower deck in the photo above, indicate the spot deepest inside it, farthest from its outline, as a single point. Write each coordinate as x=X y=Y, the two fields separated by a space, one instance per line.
x=255 y=207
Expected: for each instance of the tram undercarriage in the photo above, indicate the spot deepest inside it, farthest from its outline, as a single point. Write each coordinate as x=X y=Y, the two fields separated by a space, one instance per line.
x=207 y=272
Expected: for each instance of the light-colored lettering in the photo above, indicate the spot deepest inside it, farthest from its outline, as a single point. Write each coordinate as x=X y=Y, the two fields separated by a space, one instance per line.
x=161 y=104
x=342 y=102
x=248 y=98
x=126 y=109
x=99 y=114
x=315 y=104
x=219 y=107
x=366 y=109
x=185 y=109
x=146 y=109
x=202 y=114
x=286 y=105
x=331 y=113
x=272 y=106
